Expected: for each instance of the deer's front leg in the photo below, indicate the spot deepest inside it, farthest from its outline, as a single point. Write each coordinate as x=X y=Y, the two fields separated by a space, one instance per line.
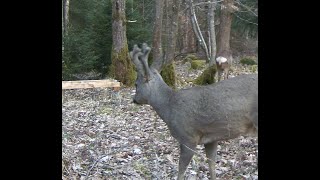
x=185 y=157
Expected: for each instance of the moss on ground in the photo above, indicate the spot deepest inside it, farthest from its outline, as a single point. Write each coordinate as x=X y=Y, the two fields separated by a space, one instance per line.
x=248 y=61
x=207 y=77
x=198 y=64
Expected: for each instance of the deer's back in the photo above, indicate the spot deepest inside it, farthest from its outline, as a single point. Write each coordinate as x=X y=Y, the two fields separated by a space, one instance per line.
x=223 y=110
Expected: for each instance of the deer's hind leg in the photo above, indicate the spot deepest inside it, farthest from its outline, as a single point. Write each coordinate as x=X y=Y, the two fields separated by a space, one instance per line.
x=211 y=152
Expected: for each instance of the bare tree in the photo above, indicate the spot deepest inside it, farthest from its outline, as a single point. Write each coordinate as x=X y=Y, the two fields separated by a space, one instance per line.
x=164 y=62
x=219 y=52
x=196 y=29
x=223 y=42
x=224 y=56
x=171 y=31
x=157 y=36
x=211 y=32
x=121 y=68
x=186 y=38
x=208 y=46
x=173 y=7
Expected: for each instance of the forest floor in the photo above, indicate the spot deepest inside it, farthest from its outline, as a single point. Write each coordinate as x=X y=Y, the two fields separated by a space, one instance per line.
x=106 y=136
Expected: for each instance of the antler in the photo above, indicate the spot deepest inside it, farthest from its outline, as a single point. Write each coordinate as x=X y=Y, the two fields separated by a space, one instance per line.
x=146 y=50
x=134 y=54
x=134 y=51
x=140 y=59
x=144 y=59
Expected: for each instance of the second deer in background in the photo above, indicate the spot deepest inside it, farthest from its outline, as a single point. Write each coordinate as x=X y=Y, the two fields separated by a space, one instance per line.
x=223 y=62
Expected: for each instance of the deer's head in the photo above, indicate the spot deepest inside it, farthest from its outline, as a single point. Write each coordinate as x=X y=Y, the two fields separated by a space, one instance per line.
x=147 y=77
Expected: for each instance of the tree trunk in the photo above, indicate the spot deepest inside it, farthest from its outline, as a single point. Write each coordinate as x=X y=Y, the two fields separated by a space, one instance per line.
x=143 y=11
x=208 y=76
x=157 y=53
x=212 y=33
x=172 y=31
x=186 y=35
x=197 y=30
x=168 y=72
x=225 y=26
x=121 y=68
x=65 y=16
x=227 y=8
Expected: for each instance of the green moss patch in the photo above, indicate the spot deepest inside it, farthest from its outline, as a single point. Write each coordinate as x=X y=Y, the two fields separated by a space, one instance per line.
x=168 y=75
x=254 y=68
x=207 y=77
x=122 y=68
x=198 y=64
x=248 y=61
x=189 y=58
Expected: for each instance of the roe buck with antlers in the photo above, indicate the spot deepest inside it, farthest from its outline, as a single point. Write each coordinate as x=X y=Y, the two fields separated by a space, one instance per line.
x=198 y=115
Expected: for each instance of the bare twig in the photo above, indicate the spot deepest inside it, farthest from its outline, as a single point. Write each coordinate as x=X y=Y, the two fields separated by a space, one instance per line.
x=245 y=19
x=201 y=3
x=246 y=7
x=94 y=164
x=197 y=31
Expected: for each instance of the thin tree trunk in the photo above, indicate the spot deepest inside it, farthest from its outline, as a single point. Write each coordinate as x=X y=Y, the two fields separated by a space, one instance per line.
x=186 y=36
x=66 y=4
x=121 y=67
x=143 y=10
x=157 y=40
x=132 y=6
x=197 y=30
x=212 y=33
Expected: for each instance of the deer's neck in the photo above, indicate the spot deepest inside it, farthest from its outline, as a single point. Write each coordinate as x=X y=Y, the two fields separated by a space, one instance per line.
x=160 y=100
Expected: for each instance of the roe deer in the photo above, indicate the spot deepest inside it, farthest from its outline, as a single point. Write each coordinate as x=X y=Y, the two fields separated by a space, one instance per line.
x=223 y=62
x=201 y=114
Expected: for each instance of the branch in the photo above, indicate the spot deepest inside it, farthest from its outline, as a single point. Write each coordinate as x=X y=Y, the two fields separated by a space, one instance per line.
x=131 y=21
x=201 y=3
x=197 y=30
x=93 y=165
x=245 y=20
x=246 y=7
